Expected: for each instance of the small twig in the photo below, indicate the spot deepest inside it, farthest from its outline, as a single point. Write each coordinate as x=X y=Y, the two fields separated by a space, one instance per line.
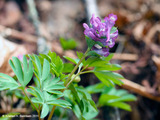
x=8 y=32
x=141 y=90
x=125 y=56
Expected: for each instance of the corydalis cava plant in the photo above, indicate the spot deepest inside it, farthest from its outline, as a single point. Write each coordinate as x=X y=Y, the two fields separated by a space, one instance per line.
x=56 y=85
x=103 y=32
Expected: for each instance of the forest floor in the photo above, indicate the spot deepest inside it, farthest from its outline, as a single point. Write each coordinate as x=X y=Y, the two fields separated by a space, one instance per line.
x=137 y=48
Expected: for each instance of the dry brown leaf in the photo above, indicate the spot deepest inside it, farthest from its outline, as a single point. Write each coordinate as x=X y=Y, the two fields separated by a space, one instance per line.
x=9 y=49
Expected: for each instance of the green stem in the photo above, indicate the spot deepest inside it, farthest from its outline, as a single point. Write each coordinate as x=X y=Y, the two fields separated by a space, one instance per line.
x=11 y=102
x=32 y=104
x=75 y=68
x=69 y=80
x=84 y=68
x=72 y=79
x=51 y=113
x=86 y=72
x=80 y=73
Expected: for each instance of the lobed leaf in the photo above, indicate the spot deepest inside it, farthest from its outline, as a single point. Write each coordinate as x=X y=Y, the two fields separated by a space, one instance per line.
x=116 y=98
x=82 y=103
x=46 y=70
x=107 y=67
x=45 y=110
x=90 y=42
x=56 y=64
x=7 y=82
x=68 y=67
x=27 y=71
x=52 y=85
x=109 y=78
x=61 y=103
x=70 y=59
x=37 y=93
x=68 y=44
x=97 y=88
x=23 y=75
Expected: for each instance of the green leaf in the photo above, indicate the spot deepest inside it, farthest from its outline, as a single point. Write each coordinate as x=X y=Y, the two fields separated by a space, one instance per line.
x=90 y=42
x=37 y=82
x=46 y=69
x=97 y=88
x=107 y=67
x=121 y=105
x=16 y=67
x=51 y=97
x=70 y=59
x=113 y=29
x=94 y=62
x=93 y=53
x=82 y=103
x=90 y=114
x=84 y=93
x=44 y=56
x=27 y=72
x=124 y=98
x=31 y=91
x=7 y=82
x=76 y=110
x=80 y=55
x=24 y=76
x=104 y=79
x=104 y=100
x=74 y=92
x=68 y=44
x=42 y=68
x=61 y=103
x=37 y=93
x=52 y=85
x=68 y=67
x=19 y=95
x=109 y=78
x=108 y=58
x=56 y=64
x=38 y=66
x=55 y=92
x=116 y=98
x=45 y=110
x=35 y=100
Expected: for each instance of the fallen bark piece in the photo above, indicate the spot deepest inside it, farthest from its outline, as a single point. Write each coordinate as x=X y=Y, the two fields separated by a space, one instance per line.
x=125 y=56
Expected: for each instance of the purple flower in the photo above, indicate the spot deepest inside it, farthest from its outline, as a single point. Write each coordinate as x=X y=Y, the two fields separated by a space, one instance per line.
x=101 y=31
x=20 y=57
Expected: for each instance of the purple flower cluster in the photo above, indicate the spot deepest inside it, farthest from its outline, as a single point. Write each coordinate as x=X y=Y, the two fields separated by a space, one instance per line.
x=101 y=31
